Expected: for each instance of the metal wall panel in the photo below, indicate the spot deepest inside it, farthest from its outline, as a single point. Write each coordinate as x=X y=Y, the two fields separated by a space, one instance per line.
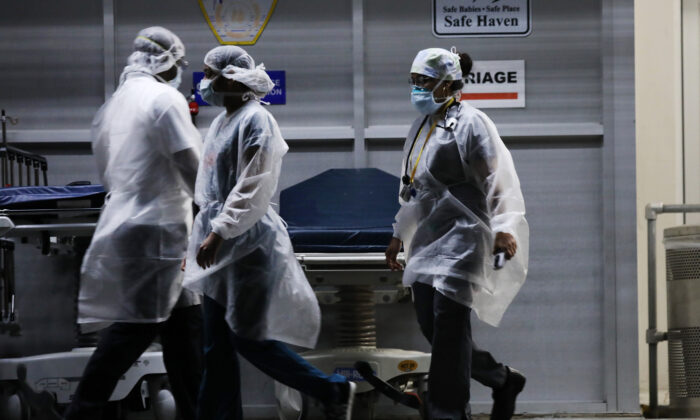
x=619 y=197
x=306 y=160
x=310 y=40
x=562 y=60
x=51 y=62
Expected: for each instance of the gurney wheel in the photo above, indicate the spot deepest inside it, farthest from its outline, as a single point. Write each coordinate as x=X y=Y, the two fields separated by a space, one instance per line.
x=162 y=399
x=14 y=408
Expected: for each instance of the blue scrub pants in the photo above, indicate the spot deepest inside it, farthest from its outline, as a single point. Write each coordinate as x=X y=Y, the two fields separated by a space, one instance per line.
x=220 y=391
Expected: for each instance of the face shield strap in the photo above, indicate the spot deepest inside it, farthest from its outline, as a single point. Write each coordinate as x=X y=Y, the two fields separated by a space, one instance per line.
x=154 y=43
x=440 y=81
x=159 y=78
x=180 y=62
x=444 y=78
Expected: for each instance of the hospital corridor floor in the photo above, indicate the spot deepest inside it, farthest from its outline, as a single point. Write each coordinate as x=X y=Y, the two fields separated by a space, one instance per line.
x=475 y=417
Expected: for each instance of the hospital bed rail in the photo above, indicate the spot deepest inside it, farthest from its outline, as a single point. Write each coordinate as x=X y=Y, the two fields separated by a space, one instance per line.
x=17 y=164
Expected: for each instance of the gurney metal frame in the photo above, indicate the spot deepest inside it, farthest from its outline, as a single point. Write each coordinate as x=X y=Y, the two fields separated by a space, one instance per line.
x=33 y=164
x=356 y=283
x=36 y=384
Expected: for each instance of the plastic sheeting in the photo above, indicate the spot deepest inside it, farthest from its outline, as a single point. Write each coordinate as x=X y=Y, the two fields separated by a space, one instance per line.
x=465 y=191
x=131 y=271
x=256 y=276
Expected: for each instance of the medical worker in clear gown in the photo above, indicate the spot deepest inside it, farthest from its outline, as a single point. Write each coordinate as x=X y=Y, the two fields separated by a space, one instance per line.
x=460 y=204
x=256 y=296
x=147 y=153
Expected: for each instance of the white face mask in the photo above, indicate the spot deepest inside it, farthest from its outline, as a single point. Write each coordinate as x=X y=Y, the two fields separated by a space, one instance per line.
x=177 y=80
x=212 y=97
x=206 y=91
x=422 y=99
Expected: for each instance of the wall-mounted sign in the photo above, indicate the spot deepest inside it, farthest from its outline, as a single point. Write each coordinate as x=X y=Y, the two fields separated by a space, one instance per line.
x=496 y=84
x=237 y=22
x=277 y=96
x=462 y=18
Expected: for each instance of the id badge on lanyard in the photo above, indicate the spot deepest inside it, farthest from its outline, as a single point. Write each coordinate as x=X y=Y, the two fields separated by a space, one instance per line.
x=407 y=191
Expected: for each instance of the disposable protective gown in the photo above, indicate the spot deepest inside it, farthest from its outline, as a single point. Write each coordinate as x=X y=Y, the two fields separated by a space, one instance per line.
x=466 y=190
x=256 y=276
x=130 y=272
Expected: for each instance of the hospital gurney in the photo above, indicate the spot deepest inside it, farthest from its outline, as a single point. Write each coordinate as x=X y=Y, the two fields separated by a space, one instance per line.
x=60 y=219
x=340 y=225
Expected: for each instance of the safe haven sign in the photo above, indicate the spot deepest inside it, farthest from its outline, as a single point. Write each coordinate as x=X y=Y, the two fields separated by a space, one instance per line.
x=496 y=84
x=463 y=18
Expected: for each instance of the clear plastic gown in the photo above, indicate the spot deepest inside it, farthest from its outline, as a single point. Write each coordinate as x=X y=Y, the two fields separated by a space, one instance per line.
x=466 y=190
x=130 y=272
x=256 y=276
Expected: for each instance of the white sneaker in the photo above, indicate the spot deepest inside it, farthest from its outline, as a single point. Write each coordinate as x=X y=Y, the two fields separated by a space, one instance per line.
x=342 y=410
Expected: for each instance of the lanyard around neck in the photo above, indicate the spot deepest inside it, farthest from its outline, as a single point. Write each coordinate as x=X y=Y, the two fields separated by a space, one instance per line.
x=420 y=153
x=409 y=179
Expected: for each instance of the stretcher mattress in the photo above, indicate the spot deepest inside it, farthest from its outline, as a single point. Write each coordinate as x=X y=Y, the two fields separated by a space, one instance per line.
x=24 y=198
x=341 y=210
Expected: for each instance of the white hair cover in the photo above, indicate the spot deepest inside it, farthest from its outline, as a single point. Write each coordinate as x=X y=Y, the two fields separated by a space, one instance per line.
x=437 y=63
x=156 y=50
x=234 y=63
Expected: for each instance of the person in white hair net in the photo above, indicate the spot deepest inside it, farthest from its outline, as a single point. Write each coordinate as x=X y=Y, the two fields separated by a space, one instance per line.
x=256 y=297
x=461 y=204
x=147 y=153
x=159 y=53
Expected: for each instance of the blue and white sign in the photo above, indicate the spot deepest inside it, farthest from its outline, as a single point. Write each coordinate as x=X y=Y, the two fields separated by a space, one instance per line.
x=277 y=96
x=350 y=373
x=197 y=77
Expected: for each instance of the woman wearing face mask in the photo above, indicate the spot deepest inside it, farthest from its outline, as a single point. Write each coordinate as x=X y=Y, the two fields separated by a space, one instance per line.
x=256 y=296
x=460 y=204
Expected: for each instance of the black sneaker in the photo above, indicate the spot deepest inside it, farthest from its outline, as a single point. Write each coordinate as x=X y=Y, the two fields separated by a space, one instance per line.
x=504 y=397
x=341 y=410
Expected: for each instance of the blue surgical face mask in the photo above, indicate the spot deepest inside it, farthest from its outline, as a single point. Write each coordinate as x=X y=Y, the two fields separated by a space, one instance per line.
x=206 y=90
x=422 y=99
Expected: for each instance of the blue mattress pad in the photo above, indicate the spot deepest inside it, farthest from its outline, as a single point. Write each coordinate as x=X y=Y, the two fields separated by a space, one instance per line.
x=341 y=210
x=52 y=197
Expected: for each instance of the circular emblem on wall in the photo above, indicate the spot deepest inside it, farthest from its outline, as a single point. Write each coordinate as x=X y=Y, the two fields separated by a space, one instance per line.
x=237 y=22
